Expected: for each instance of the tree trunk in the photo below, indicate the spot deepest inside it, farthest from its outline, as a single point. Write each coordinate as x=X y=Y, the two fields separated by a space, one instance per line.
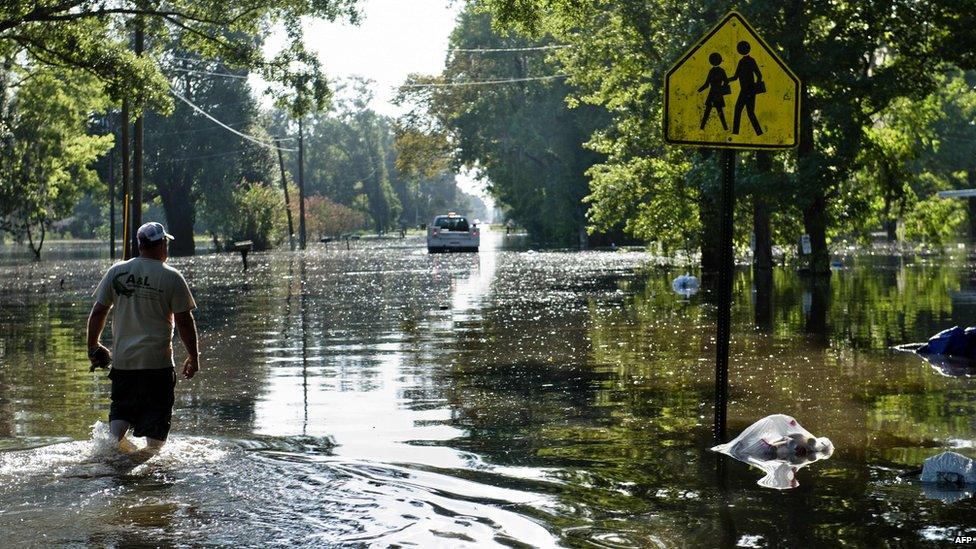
x=180 y=216
x=710 y=213
x=891 y=230
x=711 y=253
x=762 y=257
x=815 y=223
x=814 y=200
x=890 y=224
x=809 y=179
x=111 y=200
x=816 y=321
x=137 y=146
x=127 y=251
x=284 y=188
x=762 y=280
x=40 y=243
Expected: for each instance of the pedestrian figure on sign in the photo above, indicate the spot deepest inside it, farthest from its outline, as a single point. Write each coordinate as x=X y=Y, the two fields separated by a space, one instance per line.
x=750 y=85
x=717 y=83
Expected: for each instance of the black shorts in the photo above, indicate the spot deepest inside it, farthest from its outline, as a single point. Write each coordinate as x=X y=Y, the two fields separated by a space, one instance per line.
x=144 y=398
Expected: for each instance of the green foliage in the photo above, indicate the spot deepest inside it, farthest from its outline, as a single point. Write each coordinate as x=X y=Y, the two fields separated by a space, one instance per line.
x=856 y=60
x=46 y=154
x=260 y=216
x=350 y=157
x=520 y=137
x=193 y=164
x=934 y=221
x=914 y=149
x=92 y=35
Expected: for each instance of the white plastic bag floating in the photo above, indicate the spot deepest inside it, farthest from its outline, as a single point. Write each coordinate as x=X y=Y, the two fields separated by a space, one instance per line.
x=949 y=468
x=780 y=447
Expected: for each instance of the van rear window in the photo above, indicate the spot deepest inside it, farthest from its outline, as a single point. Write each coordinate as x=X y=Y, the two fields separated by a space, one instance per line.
x=452 y=223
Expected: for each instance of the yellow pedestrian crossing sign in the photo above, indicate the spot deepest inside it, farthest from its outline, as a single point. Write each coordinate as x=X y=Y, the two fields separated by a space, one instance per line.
x=731 y=90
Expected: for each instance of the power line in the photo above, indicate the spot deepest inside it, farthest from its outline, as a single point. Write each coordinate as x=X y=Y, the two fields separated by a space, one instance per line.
x=209 y=73
x=483 y=82
x=194 y=59
x=502 y=50
x=250 y=138
x=209 y=128
x=197 y=157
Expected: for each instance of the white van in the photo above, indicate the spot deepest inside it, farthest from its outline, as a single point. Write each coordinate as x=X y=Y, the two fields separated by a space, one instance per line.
x=452 y=232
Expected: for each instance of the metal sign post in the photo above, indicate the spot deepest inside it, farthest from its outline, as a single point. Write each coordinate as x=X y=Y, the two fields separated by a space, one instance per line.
x=730 y=60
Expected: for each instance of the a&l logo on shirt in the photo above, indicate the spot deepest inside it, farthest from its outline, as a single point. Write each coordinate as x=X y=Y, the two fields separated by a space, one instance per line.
x=125 y=288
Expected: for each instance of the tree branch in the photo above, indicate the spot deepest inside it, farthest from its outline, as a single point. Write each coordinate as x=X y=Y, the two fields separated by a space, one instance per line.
x=38 y=12
x=51 y=15
x=222 y=43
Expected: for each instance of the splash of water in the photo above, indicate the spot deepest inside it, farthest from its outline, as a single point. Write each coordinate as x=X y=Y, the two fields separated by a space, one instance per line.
x=103 y=455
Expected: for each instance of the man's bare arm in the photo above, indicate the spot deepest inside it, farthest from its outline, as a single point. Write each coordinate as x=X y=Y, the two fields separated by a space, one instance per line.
x=98 y=354
x=188 y=335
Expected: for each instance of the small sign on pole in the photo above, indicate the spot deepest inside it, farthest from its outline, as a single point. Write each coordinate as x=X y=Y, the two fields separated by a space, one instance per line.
x=805 y=244
x=730 y=91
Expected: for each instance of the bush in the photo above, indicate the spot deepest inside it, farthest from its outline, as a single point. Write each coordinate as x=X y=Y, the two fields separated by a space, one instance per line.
x=260 y=216
x=934 y=221
x=323 y=217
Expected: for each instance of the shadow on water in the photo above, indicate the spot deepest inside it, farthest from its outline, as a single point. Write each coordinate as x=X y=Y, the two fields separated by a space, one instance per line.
x=384 y=396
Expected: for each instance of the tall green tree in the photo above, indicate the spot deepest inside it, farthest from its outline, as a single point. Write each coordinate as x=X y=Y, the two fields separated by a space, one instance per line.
x=520 y=136
x=348 y=155
x=193 y=164
x=91 y=35
x=95 y=36
x=854 y=58
x=46 y=153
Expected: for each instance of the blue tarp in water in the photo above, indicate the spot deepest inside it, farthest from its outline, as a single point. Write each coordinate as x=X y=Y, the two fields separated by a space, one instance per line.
x=955 y=342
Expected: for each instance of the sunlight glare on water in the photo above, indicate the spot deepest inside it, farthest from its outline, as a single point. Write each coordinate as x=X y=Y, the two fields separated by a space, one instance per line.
x=382 y=396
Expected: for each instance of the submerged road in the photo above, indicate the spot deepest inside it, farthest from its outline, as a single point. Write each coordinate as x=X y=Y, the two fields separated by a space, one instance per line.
x=383 y=396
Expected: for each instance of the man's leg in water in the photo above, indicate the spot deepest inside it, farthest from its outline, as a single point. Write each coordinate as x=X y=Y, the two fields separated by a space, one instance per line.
x=118 y=428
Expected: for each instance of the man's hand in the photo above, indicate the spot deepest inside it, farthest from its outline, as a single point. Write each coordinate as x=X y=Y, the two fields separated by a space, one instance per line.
x=187 y=328
x=190 y=367
x=99 y=356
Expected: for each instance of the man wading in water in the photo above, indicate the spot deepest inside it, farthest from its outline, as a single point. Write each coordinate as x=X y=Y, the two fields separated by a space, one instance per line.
x=146 y=297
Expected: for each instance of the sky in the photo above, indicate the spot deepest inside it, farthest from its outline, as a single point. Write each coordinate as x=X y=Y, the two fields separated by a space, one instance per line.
x=393 y=39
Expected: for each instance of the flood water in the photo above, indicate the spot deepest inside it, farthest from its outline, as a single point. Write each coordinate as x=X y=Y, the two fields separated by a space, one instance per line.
x=383 y=396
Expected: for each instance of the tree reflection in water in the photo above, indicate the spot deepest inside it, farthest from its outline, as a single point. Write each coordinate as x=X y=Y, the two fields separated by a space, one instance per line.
x=578 y=380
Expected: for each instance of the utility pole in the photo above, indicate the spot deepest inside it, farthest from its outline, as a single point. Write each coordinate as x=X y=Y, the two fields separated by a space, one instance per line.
x=111 y=192
x=284 y=187
x=136 y=206
x=126 y=184
x=301 y=185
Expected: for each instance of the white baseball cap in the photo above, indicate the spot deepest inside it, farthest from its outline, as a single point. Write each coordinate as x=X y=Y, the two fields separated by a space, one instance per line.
x=152 y=232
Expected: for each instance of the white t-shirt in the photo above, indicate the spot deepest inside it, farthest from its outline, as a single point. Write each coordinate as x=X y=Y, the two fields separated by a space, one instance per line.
x=144 y=294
